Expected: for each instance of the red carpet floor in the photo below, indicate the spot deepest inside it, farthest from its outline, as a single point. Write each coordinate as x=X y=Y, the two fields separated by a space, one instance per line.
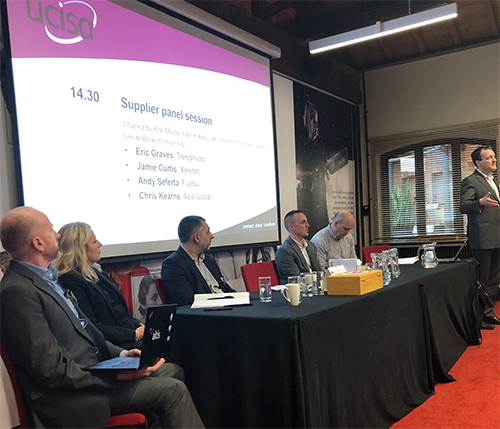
x=473 y=400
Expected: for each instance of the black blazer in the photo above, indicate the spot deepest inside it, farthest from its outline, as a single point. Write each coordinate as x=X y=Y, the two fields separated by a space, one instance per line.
x=115 y=322
x=182 y=279
x=49 y=348
x=483 y=226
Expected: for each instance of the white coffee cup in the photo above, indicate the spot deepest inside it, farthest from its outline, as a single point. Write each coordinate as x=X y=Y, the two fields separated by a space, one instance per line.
x=291 y=292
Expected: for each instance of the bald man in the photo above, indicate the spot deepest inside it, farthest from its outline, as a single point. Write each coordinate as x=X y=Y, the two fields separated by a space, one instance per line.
x=334 y=241
x=51 y=342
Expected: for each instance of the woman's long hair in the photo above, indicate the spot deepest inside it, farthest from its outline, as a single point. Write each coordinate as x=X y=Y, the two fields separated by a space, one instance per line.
x=72 y=251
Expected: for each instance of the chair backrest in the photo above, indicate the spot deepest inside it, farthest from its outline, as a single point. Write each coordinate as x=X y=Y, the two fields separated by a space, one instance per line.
x=21 y=410
x=129 y=420
x=252 y=272
x=373 y=249
x=161 y=291
x=135 y=420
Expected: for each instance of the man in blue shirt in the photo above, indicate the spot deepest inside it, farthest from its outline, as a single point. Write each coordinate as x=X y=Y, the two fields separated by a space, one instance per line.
x=51 y=343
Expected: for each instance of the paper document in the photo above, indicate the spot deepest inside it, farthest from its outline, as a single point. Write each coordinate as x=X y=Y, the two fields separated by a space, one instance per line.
x=214 y=300
x=349 y=263
x=408 y=261
x=337 y=269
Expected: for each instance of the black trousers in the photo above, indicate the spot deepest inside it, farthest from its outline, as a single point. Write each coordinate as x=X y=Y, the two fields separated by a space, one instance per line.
x=489 y=275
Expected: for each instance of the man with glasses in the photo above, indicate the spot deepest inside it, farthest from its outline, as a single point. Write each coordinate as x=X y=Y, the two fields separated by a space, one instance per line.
x=334 y=240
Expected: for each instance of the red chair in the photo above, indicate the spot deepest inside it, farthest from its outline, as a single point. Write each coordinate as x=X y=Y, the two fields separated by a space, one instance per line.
x=135 y=420
x=373 y=249
x=161 y=291
x=252 y=272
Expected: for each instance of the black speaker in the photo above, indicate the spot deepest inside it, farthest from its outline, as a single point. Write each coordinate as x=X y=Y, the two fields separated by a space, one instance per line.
x=318 y=66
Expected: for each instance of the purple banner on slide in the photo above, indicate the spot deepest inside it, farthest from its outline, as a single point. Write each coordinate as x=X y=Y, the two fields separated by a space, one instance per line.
x=103 y=30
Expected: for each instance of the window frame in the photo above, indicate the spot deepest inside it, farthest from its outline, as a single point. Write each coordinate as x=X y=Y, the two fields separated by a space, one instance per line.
x=383 y=149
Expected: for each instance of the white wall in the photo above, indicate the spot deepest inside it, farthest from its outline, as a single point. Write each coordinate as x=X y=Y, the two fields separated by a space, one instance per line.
x=452 y=89
x=285 y=130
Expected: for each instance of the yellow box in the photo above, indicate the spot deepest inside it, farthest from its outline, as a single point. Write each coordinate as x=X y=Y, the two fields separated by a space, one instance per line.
x=354 y=282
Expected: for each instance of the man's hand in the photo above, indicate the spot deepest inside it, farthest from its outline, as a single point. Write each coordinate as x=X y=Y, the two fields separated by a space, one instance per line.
x=141 y=373
x=486 y=201
x=139 y=332
x=131 y=353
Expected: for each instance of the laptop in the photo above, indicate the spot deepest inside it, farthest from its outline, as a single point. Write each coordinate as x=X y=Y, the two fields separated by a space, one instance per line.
x=155 y=344
x=455 y=258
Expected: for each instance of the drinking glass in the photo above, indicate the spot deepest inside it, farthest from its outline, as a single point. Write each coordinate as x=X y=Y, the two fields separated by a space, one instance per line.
x=265 y=291
x=318 y=288
x=306 y=284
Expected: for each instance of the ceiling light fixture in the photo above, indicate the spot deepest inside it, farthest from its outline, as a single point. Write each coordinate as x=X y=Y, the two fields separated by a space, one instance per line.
x=381 y=29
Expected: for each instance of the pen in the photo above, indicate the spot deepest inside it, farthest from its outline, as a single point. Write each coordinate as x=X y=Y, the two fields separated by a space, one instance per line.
x=217 y=309
x=221 y=297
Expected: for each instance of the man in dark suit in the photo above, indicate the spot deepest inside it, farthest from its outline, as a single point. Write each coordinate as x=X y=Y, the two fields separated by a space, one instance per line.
x=479 y=199
x=189 y=270
x=51 y=342
x=296 y=255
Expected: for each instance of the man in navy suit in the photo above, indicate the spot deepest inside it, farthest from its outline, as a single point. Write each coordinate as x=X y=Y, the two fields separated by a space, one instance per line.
x=189 y=270
x=480 y=200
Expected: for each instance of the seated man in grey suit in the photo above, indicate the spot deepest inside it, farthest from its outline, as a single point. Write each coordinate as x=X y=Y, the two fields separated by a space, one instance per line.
x=334 y=240
x=51 y=342
x=296 y=255
x=189 y=270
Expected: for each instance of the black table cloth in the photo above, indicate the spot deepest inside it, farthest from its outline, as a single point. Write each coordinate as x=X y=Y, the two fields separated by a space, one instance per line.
x=345 y=362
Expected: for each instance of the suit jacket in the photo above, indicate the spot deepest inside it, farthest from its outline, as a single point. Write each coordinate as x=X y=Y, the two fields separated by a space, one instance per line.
x=182 y=279
x=114 y=321
x=483 y=226
x=291 y=262
x=49 y=348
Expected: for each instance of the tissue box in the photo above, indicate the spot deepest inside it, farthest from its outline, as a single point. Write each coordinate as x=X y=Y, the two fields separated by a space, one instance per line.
x=354 y=282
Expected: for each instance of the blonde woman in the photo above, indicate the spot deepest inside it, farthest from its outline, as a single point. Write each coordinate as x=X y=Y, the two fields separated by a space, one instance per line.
x=97 y=296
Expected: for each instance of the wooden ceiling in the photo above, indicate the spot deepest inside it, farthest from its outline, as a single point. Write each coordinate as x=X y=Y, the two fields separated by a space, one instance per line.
x=291 y=24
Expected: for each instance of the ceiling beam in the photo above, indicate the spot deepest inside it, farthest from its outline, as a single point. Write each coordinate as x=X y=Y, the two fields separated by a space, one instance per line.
x=454 y=32
x=258 y=8
x=345 y=16
x=491 y=17
x=387 y=49
x=277 y=7
x=342 y=80
x=419 y=41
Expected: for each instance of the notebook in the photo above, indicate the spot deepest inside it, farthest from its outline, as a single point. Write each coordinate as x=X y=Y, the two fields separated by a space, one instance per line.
x=155 y=344
x=455 y=258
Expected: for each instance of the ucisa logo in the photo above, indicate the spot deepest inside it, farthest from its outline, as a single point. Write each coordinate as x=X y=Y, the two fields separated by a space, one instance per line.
x=69 y=22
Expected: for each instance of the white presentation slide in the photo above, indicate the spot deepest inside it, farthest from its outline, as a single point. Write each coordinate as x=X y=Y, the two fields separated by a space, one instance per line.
x=129 y=124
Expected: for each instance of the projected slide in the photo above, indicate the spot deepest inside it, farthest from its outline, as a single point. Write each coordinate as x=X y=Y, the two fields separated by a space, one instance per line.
x=130 y=124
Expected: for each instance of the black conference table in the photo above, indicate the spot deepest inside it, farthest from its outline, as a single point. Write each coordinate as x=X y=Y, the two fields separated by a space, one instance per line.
x=333 y=361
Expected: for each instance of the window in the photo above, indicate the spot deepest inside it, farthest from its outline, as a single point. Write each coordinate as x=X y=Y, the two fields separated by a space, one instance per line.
x=415 y=182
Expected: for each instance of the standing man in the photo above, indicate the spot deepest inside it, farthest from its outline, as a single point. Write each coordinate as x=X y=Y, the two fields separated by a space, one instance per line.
x=334 y=240
x=189 y=270
x=51 y=343
x=296 y=255
x=479 y=199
